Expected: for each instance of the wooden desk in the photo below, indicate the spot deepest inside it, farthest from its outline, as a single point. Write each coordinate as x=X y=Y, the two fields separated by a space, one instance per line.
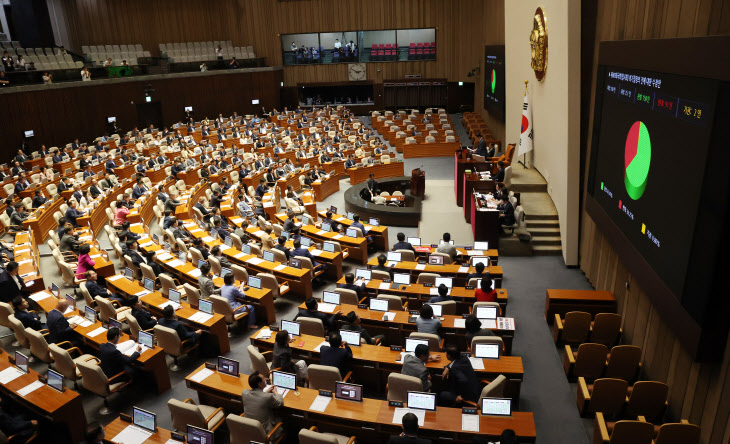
x=41 y=221
x=454 y=270
x=361 y=174
x=462 y=164
x=65 y=409
x=591 y=301
x=372 y=364
x=322 y=190
x=438 y=149
x=379 y=233
x=370 y=421
x=28 y=259
x=115 y=427
x=290 y=179
x=125 y=171
x=485 y=223
x=473 y=182
x=462 y=254
x=156 y=175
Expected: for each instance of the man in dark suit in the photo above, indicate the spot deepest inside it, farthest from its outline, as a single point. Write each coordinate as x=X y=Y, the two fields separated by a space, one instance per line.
x=481 y=149
x=201 y=207
x=72 y=213
x=141 y=168
x=138 y=190
x=95 y=289
x=38 y=200
x=499 y=177
x=410 y=432
x=28 y=319
x=382 y=259
x=22 y=183
x=311 y=312
x=110 y=165
x=57 y=157
x=19 y=215
x=21 y=157
x=281 y=246
x=336 y=354
x=508 y=216
x=143 y=317
x=459 y=379
x=59 y=329
x=480 y=274
x=94 y=190
x=350 y=284
x=11 y=284
x=402 y=244
x=262 y=188
x=491 y=151
x=112 y=361
x=183 y=332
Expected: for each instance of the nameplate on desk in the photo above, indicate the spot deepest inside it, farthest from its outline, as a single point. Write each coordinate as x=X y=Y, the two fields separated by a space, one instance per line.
x=326 y=393
x=124 y=417
x=427 y=285
x=434 y=246
x=273 y=328
x=386 y=281
x=177 y=436
x=469 y=411
x=396 y=348
x=464 y=316
x=466 y=354
x=395 y=403
x=210 y=366
x=468 y=248
x=469 y=287
x=414 y=312
x=363 y=306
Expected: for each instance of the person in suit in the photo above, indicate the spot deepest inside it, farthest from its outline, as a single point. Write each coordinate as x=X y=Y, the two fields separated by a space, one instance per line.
x=11 y=284
x=443 y=295
x=235 y=296
x=499 y=177
x=138 y=190
x=491 y=150
x=337 y=354
x=459 y=379
x=21 y=184
x=14 y=424
x=178 y=232
x=219 y=229
x=311 y=312
x=474 y=328
x=281 y=247
x=21 y=157
x=480 y=274
x=481 y=149
x=205 y=282
x=169 y=320
x=112 y=361
x=501 y=190
x=94 y=190
x=350 y=162
x=96 y=289
x=95 y=434
x=110 y=165
x=215 y=199
x=19 y=215
x=415 y=365
x=351 y=285
x=69 y=241
x=72 y=214
x=446 y=246
x=402 y=244
x=59 y=329
x=507 y=217
x=261 y=189
x=139 y=258
x=353 y=324
x=382 y=259
x=145 y=320
x=17 y=168
x=201 y=206
x=28 y=319
x=410 y=432
x=261 y=401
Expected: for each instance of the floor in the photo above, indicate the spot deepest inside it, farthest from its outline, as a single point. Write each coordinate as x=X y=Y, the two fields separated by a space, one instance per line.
x=545 y=390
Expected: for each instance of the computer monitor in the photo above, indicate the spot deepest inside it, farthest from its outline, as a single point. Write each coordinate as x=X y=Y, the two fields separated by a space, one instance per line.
x=166 y=246
x=201 y=262
x=146 y=339
x=402 y=278
x=449 y=282
x=363 y=273
x=205 y=306
x=394 y=256
x=333 y=209
x=415 y=241
x=306 y=220
x=144 y=419
x=246 y=249
x=331 y=297
x=113 y=323
x=435 y=259
x=496 y=406
x=269 y=256
x=225 y=271
x=351 y=232
x=305 y=241
x=486 y=351
x=149 y=284
x=481 y=245
x=255 y=101
x=228 y=242
x=29 y=133
x=437 y=309
x=173 y=295
x=295 y=263
x=348 y=392
x=128 y=273
x=286 y=235
x=111 y=119
x=284 y=380
x=182 y=257
x=21 y=361
x=329 y=247
x=422 y=401
x=71 y=301
x=196 y=435
x=486 y=312
x=54 y=380
x=480 y=259
x=188 y=108
x=228 y=366
x=326 y=226
x=374 y=221
x=379 y=304
x=254 y=282
x=292 y=327
x=351 y=337
x=55 y=290
x=89 y=314
x=412 y=343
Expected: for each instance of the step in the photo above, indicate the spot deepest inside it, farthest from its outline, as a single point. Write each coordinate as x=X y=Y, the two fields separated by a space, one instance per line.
x=547 y=250
x=546 y=223
x=544 y=231
x=534 y=217
x=528 y=187
x=545 y=240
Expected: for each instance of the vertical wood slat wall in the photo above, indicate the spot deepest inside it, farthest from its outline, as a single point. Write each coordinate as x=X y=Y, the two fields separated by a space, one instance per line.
x=697 y=392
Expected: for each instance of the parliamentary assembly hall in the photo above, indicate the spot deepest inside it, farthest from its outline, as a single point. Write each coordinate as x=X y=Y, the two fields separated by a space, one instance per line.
x=364 y=221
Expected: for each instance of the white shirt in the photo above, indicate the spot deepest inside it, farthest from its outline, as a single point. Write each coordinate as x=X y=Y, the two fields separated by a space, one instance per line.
x=85 y=76
x=338 y=45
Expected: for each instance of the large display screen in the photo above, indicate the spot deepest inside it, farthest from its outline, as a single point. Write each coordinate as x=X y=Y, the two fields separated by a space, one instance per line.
x=653 y=132
x=494 y=80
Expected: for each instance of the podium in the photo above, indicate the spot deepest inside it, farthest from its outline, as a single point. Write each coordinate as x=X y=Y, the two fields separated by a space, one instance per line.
x=418 y=182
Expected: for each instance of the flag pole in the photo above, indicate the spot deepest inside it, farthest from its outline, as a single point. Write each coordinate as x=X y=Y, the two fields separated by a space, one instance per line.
x=524 y=156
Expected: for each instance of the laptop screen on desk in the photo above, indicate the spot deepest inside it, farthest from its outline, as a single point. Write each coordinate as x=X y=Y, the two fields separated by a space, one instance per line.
x=421 y=400
x=201 y=262
x=412 y=343
x=374 y=221
x=415 y=241
x=351 y=232
x=326 y=226
x=284 y=380
x=128 y=273
x=449 y=282
x=21 y=361
x=246 y=248
x=173 y=295
x=228 y=366
x=329 y=247
x=225 y=271
x=295 y=263
x=351 y=337
x=486 y=351
x=149 y=284
x=197 y=435
x=113 y=323
x=349 y=392
x=402 y=278
x=205 y=306
x=496 y=406
x=55 y=380
x=363 y=273
x=435 y=260
x=254 y=282
x=89 y=314
x=379 y=304
x=291 y=327
x=486 y=312
x=54 y=290
x=480 y=259
x=394 y=257
x=305 y=241
x=331 y=297
x=437 y=309
x=146 y=339
x=144 y=419
x=481 y=245
x=269 y=256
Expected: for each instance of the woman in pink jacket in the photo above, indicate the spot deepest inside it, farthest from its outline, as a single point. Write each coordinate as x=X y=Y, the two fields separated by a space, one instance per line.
x=86 y=263
x=120 y=214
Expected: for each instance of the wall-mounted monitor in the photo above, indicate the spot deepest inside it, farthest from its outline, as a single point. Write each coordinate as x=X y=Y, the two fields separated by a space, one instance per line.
x=493 y=74
x=29 y=133
x=255 y=102
x=111 y=119
x=189 y=109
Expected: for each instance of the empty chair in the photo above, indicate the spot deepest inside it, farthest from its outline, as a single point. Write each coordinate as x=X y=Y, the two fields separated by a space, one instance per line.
x=94 y=380
x=39 y=345
x=239 y=273
x=446 y=256
x=427 y=278
x=348 y=297
x=323 y=377
x=311 y=326
x=5 y=311
x=186 y=413
x=312 y=436
x=191 y=294
x=259 y=363
x=623 y=432
x=244 y=430
x=494 y=389
x=587 y=362
x=648 y=399
x=407 y=255
x=395 y=303
x=110 y=309
x=399 y=385
x=624 y=362
x=170 y=342
x=65 y=364
x=606 y=329
x=605 y=395
x=378 y=274
x=435 y=344
x=678 y=433
x=269 y=281
x=449 y=307
x=487 y=340
x=573 y=329
x=167 y=283
x=21 y=339
x=134 y=327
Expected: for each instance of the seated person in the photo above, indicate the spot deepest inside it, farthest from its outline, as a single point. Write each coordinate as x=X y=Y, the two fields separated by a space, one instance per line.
x=283 y=358
x=69 y=241
x=426 y=322
x=304 y=252
x=72 y=214
x=507 y=216
x=281 y=247
x=235 y=296
x=59 y=329
x=145 y=320
x=402 y=244
x=199 y=245
x=113 y=362
x=14 y=423
x=216 y=253
x=459 y=379
x=480 y=274
x=184 y=333
x=382 y=259
x=261 y=400
x=415 y=365
x=353 y=324
x=311 y=312
x=410 y=432
x=95 y=289
x=485 y=293
x=350 y=284
x=446 y=247
x=29 y=319
x=474 y=328
x=336 y=354
x=443 y=295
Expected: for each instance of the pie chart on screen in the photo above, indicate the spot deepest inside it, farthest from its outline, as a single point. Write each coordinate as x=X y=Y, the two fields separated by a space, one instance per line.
x=637 y=159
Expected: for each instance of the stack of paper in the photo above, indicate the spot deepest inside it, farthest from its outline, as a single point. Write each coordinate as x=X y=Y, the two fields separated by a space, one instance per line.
x=384 y=286
x=337 y=236
x=96 y=332
x=132 y=435
x=10 y=374
x=239 y=255
x=40 y=296
x=475 y=253
x=477 y=363
x=279 y=267
x=174 y=263
x=264 y=333
x=175 y=305
x=30 y=387
x=315 y=252
x=421 y=267
x=388 y=316
x=254 y=261
x=195 y=272
x=78 y=320
x=320 y=403
x=201 y=375
x=460 y=323
x=144 y=292
x=326 y=307
x=402 y=355
x=317 y=348
x=200 y=317
x=470 y=423
x=208 y=239
x=114 y=278
x=463 y=269
x=164 y=256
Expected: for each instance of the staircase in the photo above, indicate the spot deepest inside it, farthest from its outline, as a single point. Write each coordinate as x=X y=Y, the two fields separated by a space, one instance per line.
x=545 y=231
